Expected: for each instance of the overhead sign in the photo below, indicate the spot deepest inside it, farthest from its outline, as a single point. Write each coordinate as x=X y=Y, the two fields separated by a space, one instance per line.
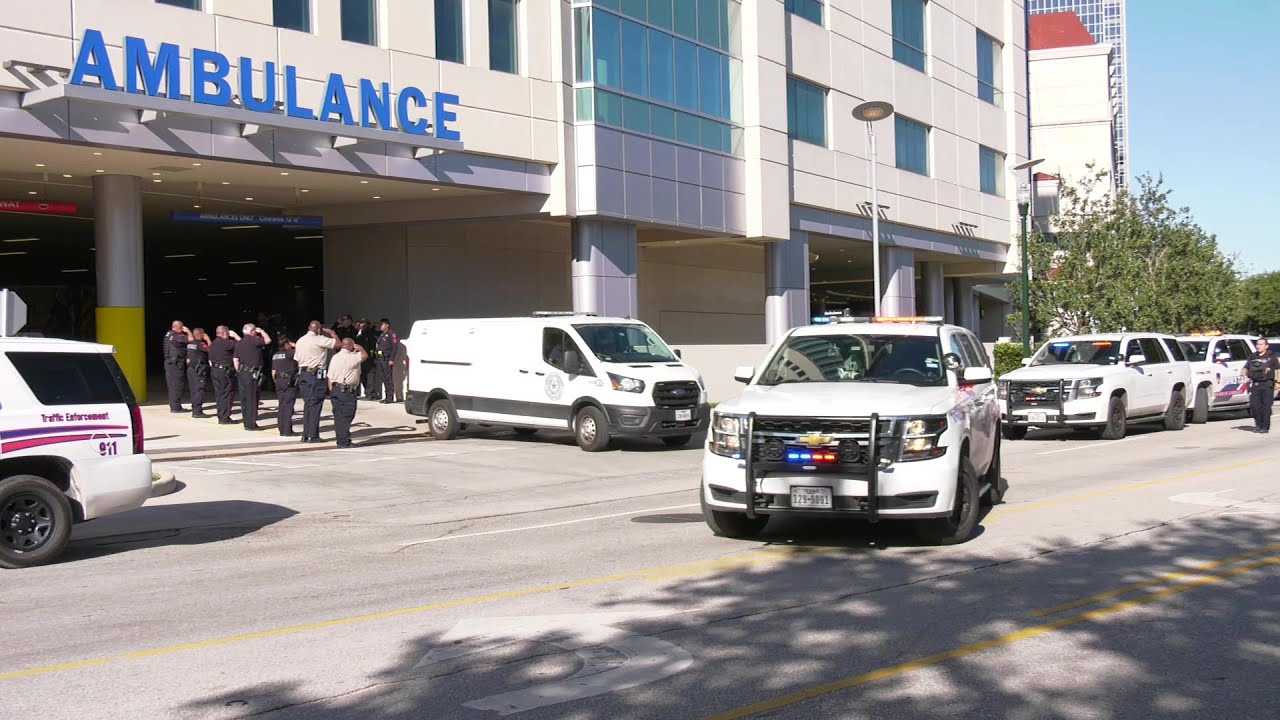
x=13 y=313
x=212 y=82
x=308 y=221
x=38 y=208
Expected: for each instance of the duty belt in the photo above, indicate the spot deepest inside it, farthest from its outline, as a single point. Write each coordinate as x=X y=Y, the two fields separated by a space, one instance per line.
x=344 y=388
x=225 y=367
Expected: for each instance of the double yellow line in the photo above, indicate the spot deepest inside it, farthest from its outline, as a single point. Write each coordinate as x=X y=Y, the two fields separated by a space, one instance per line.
x=1197 y=576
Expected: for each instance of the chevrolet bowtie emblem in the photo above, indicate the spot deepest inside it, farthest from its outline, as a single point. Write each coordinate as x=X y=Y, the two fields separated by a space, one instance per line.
x=813 y=440
x=1039 y=390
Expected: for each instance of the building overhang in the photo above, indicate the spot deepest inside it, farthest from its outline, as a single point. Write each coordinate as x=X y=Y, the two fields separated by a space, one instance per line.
x=835 y=224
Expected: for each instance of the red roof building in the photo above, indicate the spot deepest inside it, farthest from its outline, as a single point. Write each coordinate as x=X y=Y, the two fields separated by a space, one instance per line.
x=1058 y=30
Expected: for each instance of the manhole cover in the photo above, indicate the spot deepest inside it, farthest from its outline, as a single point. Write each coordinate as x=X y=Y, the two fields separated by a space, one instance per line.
x=668 y=518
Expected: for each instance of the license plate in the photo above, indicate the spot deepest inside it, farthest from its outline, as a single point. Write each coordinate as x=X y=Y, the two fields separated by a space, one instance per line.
x=811 y=497
x=684 y=415
x=1036 y=417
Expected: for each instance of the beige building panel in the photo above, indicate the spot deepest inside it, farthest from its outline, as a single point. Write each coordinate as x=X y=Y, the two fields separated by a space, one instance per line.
x=255 y=11
x=316 y=56
x=420 y=72
x=811 y=52
x=494 y=91
x=411 y=27
x=145 y=19
x=38 y=49
x=54 y=18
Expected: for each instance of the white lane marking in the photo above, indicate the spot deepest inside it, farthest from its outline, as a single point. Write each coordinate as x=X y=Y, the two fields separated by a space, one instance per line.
x=547 y=525
x=259 y=463
x=202 y=469
x=1080 y=447
x=1212 y=499
x=612 y=659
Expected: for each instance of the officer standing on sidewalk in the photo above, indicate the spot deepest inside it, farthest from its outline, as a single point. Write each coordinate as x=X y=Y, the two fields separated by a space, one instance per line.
x=248 y=362
x=311 y=352
x=284 y=370
x=223 y=371
x=385 y=356
x=175 y=364
x=198 y=370
x=344 y=381
x=367 y=338
x=1261 y=368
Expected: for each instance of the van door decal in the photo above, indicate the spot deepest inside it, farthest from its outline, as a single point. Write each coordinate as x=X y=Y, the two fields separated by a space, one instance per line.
x=554 y=386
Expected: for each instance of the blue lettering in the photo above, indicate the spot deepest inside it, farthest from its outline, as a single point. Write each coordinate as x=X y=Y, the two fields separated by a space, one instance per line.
x=92 y=61
x=247 y=98
x=138 y=64
x=377 y=103
x=444 y=116
x=407 y=123
x=291 y=106
x=202 y=76
x=336 y=100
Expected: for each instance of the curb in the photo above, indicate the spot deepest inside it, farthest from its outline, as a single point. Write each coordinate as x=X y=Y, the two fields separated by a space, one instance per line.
x=163 y=482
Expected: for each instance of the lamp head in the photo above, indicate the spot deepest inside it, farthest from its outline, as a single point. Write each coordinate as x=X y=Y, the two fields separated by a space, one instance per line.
x=873 y=111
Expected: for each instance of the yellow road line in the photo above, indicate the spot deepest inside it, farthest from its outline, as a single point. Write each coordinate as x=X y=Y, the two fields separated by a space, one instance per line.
x=1156 y=581
x=977 y=647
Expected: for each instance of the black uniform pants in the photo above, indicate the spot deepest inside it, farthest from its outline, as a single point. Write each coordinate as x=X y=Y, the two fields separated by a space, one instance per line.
x=1260 y=398
x=175 y=377
x=248 y=397
x=311 y=389
x=222 y=393
x=369 y=379
x=386 y=379
x=288 y=397
x=344 y=412
x=197 y=378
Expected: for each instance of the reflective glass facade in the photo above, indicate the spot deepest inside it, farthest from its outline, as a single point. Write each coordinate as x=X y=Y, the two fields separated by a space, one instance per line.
x=911 y=151
x=664 y=68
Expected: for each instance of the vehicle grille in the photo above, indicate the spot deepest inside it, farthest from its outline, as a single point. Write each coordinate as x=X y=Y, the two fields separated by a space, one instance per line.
x=849 y=438
x=1033 y=395
x=683 y=394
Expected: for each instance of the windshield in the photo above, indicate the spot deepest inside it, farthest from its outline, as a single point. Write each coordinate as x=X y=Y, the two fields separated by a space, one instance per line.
x=1077 y=352
x=911 y=360
x=625 y=343
x=1195 y=350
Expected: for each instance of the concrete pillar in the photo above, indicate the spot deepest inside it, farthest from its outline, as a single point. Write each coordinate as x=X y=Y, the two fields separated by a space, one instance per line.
x=933 y=302
x=949 y=300
x=786 y=281
x=117 y=238
x=604 y=268
x=898 y=273
x=966 y=305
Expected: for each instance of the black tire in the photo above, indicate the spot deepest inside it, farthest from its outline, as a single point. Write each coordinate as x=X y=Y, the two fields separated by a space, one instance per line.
x=35 y=521
x=997 y=486
x=1013 y=432
x=676 y=441
x=958 y=526
x=1175 y=416
x=525 y=432
x=732 y=524
x=1117 y=421
x=1200 y=413
x=442 y=420
x=591 y=429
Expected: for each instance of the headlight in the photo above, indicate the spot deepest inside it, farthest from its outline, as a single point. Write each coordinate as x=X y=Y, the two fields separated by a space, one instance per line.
x=1088 y=387
x=920 y=437
x=1002 y=389
x=726 y=435
x=626 y=384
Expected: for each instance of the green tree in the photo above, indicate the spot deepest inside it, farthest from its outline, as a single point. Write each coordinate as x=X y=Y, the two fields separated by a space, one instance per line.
x=1259 y=304
x=1128 y=261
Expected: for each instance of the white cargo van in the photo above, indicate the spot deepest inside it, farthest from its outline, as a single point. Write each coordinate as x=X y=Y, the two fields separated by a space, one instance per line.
x=598 y=377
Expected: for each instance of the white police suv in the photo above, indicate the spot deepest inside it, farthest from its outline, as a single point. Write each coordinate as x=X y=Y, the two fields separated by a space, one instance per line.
x=876 y=418
x=1218 y=379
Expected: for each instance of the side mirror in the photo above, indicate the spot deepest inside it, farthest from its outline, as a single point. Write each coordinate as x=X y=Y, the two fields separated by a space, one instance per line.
x=679 y=355
x=1135 y=360
x=952 y=361
x=1223 y=356
x=744 y=374
x=977 y=375
x=1026 y=362
x=572 y=362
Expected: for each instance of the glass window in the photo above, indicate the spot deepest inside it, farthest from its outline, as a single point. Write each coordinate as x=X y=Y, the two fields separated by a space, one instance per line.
x=687 y=128
x=908 y=360
x=188 y=4
x=607 y=39
x=1195 y=350
x=635 y=58
x=72 y=378
x=810 y=10
x=583 y=101
x=978 y=350
x=1153 y=351
x=292 y=15
x=635 y=115
x=1076 y=352
x=663 y=122
x=990 y=171
x=908 y=33
x=637 y=9
x=988 y=69
x=726 y=85
x=556 y=343
x=608 y=108
x=709 y=21
x=1239 y=349
x=708 y=81
x=686 y=18
x=661 y=67
x=503 y=42
x=806 y=111
x=359 y=23
x=1174 y=349
x=686 y=80
x=660 y=13
x=449 y=42
x=912 y=149
x=625 y=344
x=709 y=134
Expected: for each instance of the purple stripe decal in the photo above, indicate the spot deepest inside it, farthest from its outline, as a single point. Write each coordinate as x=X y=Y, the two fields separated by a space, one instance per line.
x=26 y=432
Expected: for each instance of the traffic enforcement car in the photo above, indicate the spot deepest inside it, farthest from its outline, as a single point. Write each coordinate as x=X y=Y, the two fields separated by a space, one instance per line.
x=875 y=418
x=1217 y=366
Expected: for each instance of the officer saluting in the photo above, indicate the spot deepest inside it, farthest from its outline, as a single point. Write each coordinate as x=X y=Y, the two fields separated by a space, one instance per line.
x=284 y=370
x=1261 y=369
x=222 y=363
x=248 y=362
x=385 y=356
x=344 y=380
x=310 y=353
x=198 y=370
x=175 y=363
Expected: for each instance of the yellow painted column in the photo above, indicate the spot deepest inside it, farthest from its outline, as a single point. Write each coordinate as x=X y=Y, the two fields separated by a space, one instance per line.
x=117 y=237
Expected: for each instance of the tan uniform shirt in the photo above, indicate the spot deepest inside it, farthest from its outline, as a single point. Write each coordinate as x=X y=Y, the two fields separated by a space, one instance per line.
x=311 y=350
x=344 y=368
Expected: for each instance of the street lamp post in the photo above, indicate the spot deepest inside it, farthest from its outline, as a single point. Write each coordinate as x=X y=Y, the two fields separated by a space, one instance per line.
x=1024 y=208
x=870 y=112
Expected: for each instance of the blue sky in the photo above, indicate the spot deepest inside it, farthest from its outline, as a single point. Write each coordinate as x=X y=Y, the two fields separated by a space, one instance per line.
x=1218 y=58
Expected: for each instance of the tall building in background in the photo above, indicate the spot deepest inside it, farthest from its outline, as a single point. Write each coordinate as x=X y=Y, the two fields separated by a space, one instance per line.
x=1105 y=21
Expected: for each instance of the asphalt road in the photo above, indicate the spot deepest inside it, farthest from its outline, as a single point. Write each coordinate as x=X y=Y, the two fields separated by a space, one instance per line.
x=493 y=576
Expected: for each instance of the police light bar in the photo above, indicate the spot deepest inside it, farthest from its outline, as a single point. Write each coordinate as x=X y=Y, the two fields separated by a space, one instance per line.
x=561 y=313
x=909 y=319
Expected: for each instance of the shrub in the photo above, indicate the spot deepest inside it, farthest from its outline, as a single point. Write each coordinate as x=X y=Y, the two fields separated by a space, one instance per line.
x=1008 y=357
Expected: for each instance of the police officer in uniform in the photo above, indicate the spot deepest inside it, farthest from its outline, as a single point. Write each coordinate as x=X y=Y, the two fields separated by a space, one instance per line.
x=344 y=380
x=367 y=338
x=284 y=370
x=311 y=353
x=1261 y=368
x=175 y=364
x=223 y=370
x=385 y=356
x=198 y=370
x=248 y=362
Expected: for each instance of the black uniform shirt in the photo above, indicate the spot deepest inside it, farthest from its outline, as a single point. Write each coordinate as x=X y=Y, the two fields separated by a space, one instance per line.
x=220 y=351
x=387 y=342
x=249 y=351
x=282 y=363
x=1262 y=367
x=197 y=353
x=175 y=346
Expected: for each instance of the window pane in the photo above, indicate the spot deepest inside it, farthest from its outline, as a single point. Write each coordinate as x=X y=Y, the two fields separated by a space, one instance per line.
x=635 y=115
x=810 y=10
x=608 y=108
x=726 y=101
x=606 y=33
x=357 y=22
x=661 y=69
x=709 y=134
x=637 y=9
x=292 y=15
x=663 y=121
x=708 y=81
x=188 y=4
x=806 y=111
x=709 y=21
x=686 y=80
x=583 y=101
x=635 y=58
x=449 y=30
x=687 y=128
x=912 y=145
x=908 y=33
x=686 y=18
x=660 y=13
x=70 y=378
x=502 y=35
x=987 y=170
